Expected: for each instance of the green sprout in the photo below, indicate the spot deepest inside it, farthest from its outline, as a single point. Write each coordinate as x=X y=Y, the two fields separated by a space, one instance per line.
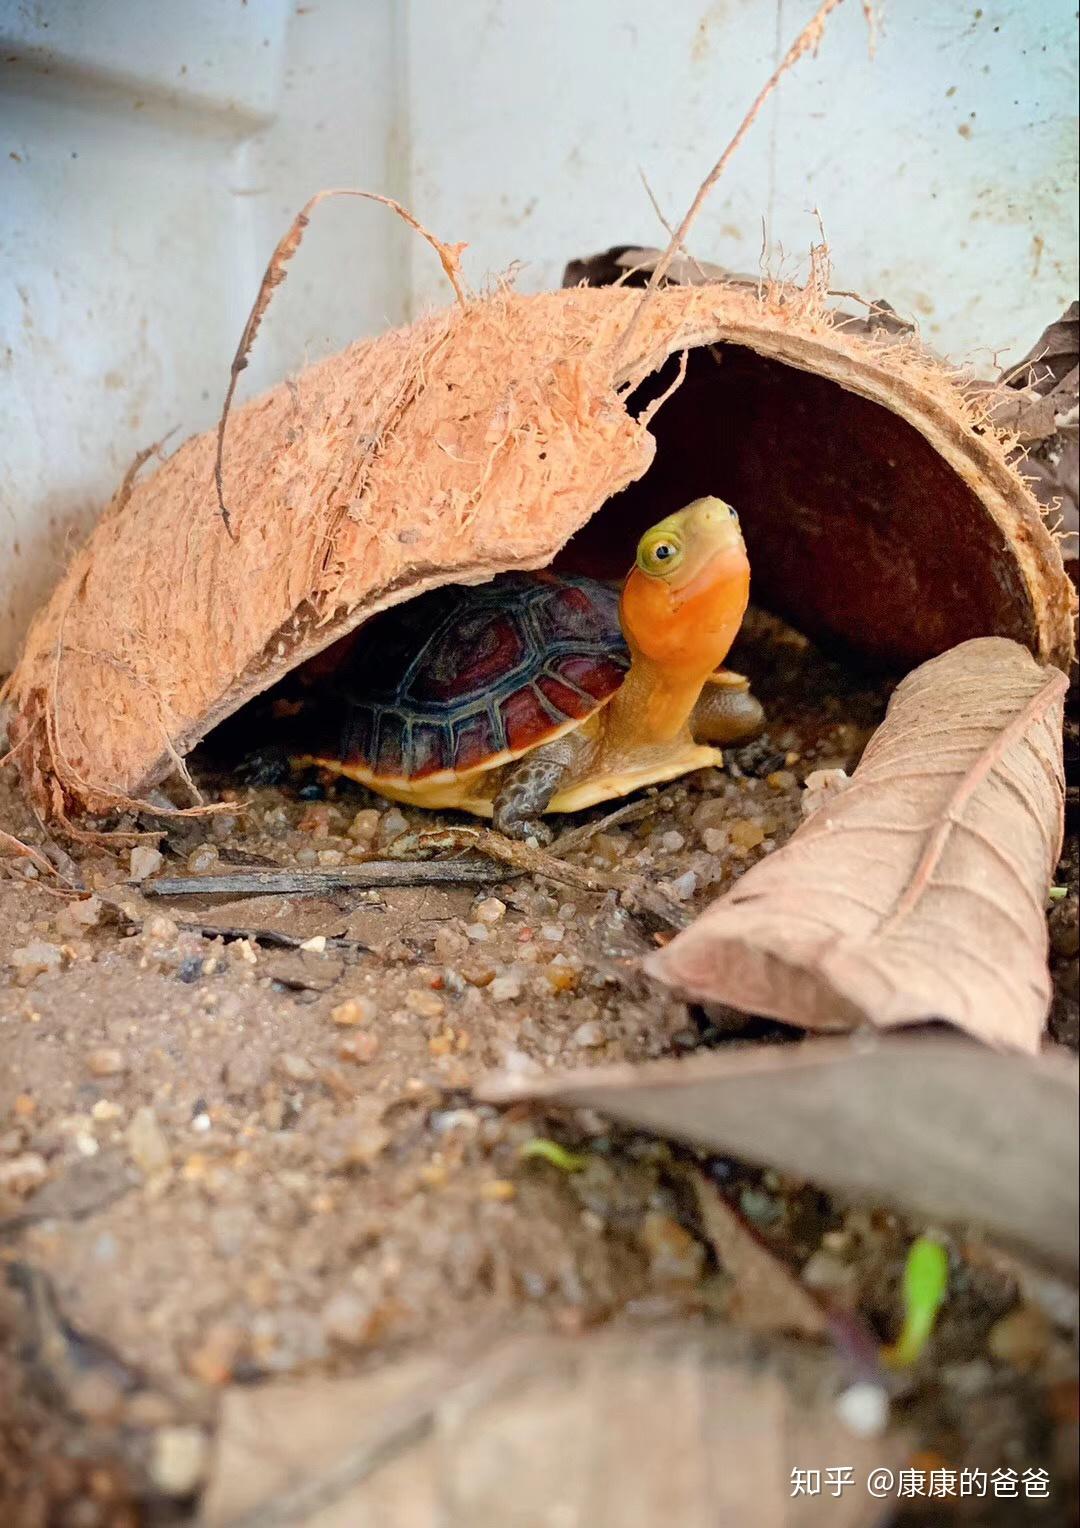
x=926 y=1283
x=1057 y=893
x=550 y=1151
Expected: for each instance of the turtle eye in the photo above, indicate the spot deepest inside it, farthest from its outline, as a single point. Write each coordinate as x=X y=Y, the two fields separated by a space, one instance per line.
x=659 y=552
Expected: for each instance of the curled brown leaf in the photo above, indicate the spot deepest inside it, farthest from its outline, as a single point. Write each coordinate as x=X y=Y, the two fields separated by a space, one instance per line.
x=919 y=892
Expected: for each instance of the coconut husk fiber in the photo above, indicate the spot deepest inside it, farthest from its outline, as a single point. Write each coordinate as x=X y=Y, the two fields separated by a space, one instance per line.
x=879 y=506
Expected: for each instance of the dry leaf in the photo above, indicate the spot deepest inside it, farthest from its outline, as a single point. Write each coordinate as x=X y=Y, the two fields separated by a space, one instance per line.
x=917 y=893
x=1040 y=403
x=927 y=1121
x=608 y=1431
x=766 y=1297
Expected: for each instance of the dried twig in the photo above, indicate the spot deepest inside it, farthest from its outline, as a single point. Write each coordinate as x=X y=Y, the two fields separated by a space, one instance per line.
x=473 y=871
x=630 y=811
x=12 y=845
x=806 y=42
x=656 y=207
x=449 y=257
x=525 y=859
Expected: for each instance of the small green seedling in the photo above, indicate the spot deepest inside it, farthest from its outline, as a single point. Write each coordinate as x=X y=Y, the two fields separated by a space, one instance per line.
x=551 y=1151
x=926 y=1283
x=1057 y=893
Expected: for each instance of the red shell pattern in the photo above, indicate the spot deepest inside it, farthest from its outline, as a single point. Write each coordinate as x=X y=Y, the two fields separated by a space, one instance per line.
x=454 y=677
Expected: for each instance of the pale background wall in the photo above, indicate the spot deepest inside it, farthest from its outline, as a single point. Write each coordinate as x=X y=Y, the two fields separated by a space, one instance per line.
x=151 y=155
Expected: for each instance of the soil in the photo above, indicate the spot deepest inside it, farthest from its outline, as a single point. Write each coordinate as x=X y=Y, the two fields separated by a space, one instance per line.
x=225 y=1157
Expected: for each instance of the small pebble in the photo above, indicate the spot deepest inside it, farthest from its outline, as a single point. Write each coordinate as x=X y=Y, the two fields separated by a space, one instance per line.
x=684 y=886
x=315 y=819
x=159 y=930
x=450 y=944
x=588 y=1035
x=203 y=859
x=361 y=1048
x=552 y=933
x=391 y=826
x=710 y=814
x=424 y=1003
x=760 y=1208
x=316 y=945
x=1020 y=1339
x=146 y=1143
x=178 y=1460
x=144 y=862
x=498 y=1189
x=21 y=1175
x=355 y=1010
x=820 y=785
x=608 y=848
x=368 y=1141
x=348 y=1319
x=294 y=1068
x=83 y=914
x=672 y=842
x=213 y=1360
x=106 y=1061
x=828 y=1274
x=715 y=840
x=675 y=1257
x=864 y=1409
x=781 y=780
x=364 y=826
x=477 y=932
x=505 y=988
x=34 y=959
x=745 y=834
x=490 y=910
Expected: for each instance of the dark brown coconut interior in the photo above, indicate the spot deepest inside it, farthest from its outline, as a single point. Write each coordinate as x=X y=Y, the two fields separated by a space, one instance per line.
x=859 y=533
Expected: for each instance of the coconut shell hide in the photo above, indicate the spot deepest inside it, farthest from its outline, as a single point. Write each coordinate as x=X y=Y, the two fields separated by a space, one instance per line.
x=877 y=510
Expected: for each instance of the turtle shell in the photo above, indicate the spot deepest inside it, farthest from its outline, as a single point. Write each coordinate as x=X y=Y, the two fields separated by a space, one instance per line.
x=463 y=678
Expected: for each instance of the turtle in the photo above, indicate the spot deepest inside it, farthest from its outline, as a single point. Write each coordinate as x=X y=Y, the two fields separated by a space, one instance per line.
x=546 y=691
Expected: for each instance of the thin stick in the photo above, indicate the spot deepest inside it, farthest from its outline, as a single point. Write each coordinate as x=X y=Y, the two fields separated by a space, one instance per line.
x=806 y=41
x=630 y=811
x=306 y=883
x=524 y=858
x=15 y=846
x=656 y=207
x=449 y=257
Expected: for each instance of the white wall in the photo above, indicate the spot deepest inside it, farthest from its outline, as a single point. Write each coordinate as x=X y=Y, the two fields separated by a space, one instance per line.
x=150 y=156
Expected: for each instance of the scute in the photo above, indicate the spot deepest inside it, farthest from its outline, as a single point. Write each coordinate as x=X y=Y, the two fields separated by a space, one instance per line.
x=474 y=653
x=461 y=676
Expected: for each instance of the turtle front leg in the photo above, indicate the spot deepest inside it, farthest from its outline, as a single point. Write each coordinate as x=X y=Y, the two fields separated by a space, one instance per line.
x=526 y=788
x=726 y=713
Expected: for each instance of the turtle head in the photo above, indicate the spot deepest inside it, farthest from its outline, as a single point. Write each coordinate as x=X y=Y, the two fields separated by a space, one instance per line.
x=685 y=597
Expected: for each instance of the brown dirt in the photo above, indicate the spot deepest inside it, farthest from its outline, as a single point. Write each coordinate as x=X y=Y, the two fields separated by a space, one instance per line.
x=209 y=1177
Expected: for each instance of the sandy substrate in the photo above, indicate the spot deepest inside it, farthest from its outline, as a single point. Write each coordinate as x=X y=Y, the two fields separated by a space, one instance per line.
x=224 y=1159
